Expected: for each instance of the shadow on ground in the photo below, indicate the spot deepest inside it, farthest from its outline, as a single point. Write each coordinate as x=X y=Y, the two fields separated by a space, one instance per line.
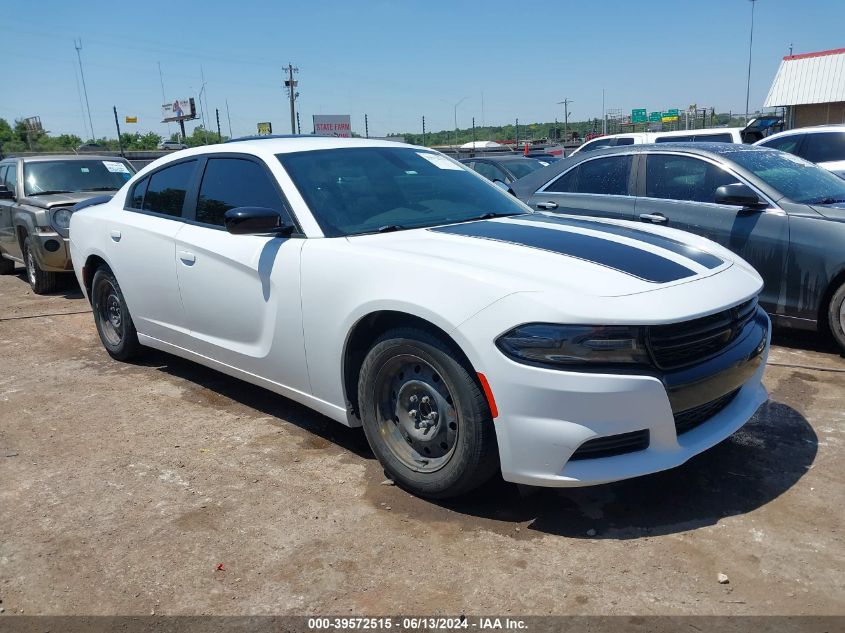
x=806 y=341
x=748 y=470
x=66 y=285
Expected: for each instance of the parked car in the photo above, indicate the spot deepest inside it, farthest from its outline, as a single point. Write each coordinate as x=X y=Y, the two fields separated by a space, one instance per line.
x=91 y=147
x=36 y=199
x=171 y=145
x=388 y=286
x=752 y=132
x=782 y=214
x=823 y=145
x=504 y=169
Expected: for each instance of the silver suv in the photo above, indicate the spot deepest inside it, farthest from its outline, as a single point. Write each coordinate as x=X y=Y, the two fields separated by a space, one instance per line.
x=36 y=199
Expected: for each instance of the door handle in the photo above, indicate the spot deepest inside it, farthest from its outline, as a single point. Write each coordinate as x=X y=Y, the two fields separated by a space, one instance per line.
x=547 y=205
x=654 y=218
x=115 y=235
x=186 y=257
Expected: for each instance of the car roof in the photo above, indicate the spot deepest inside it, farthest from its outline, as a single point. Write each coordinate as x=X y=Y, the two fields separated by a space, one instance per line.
x=51 y=157
x=812 y=129
x=294 y=143
x=500 y=159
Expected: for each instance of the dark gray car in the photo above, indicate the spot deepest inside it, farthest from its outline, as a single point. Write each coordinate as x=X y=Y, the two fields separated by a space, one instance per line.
x=37 y=194
x=782 y=214
x=504 y=169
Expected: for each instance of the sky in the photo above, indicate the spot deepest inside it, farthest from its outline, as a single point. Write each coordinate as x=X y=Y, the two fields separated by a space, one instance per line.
x=395 y=61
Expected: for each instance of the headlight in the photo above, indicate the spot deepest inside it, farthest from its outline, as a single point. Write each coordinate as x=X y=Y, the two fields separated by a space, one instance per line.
x=563 y=345
x=61 y=219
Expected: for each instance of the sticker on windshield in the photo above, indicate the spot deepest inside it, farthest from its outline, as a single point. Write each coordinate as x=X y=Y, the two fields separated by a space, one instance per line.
x=115 y=167
x=439 y=161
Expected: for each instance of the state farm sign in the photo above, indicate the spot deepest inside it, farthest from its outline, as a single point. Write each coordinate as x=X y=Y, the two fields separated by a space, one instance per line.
x=333 y=125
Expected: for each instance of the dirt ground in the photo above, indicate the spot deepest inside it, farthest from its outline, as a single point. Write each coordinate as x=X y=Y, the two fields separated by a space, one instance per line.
x=166 y=487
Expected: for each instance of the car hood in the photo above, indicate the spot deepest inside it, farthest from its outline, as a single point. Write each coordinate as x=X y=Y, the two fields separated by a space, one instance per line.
x=60 y=199
x=537 y=252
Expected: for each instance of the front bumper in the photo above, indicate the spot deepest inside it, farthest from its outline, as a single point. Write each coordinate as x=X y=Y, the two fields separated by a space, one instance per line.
x=545 y=415
x=51 y=251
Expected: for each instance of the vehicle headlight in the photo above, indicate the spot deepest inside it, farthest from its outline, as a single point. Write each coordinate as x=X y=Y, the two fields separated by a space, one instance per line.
x=566 y=345
x=61 y=219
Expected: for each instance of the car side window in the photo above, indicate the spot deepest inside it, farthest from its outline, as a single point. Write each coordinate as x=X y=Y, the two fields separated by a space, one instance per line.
x=234 y=182
x=822 y=147
x=566 y=183
x=488 y=171
x=675 y=139
x=785 y=143
x=713 y=138
x=167 y=188
x=684 y=178
x=624 y=140
x=2 y=174
x=11 y=178
x=136 y=198
x=599 y=143
x=608 y=176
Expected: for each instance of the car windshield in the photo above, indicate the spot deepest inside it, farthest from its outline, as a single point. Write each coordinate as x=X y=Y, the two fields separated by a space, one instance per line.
x=523 y=166
x=797 y=179
x=367 y=189
x=66 y=176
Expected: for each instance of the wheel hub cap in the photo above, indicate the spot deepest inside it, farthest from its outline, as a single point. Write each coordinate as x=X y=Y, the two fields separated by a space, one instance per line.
x=113 y=306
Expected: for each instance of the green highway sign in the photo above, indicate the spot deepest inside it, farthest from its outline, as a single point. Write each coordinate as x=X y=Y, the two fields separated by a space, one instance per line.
x=638 y=115
x=655 y=117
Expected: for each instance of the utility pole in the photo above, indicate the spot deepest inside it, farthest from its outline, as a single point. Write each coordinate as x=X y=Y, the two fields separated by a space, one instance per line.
x=117 y=125
x=473 y=136
x=565 y=103
x=516 y=140
x=163 y=97
x=750 y=46
x=423 y=119
x=298 y=127
x=78 y=46
x=229 y=116
x=456 y=119
x=603 y=114
x=291 y=85
x=366 y=127
x=219 y=135
x=205 y=109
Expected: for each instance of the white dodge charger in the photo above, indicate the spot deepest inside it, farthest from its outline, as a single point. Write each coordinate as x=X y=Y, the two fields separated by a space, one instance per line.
x=387 y=286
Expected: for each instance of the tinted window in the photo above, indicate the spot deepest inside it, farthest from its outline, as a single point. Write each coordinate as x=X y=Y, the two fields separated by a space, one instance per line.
x=674 y=139
x=136 y=198
x=2 y=174
x=488 y=171
x=607 y=176
x=523 y=166
x=795 y=178
x=363 y=189
x=11 y=177
x=714 y=138
x=785 y=143
x=167 y=187
x=684 y=178
x=62 y=176
x=566 y=183
x=599 y=143
x=824 y=146
x=624 y=140
x=232 y=182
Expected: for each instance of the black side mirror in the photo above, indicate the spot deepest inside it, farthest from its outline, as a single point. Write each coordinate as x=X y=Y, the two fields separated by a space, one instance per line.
x=253 y=221
x=5 y=194
x=739 y=195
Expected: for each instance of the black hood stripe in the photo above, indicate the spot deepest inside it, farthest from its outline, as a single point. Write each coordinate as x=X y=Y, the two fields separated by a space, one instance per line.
x=679 y=248
x=621 y=257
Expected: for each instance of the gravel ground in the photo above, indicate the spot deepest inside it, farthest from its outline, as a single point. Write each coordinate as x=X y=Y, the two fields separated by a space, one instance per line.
x=166 y=487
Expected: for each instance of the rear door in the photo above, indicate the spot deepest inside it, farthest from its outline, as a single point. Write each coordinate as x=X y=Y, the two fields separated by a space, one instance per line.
x=600 y=187
x=679 y=190
x=140 y=246
x=242 y=292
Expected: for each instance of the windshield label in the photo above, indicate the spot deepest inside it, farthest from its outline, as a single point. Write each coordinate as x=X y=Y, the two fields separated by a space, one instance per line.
x=439 y=161
x=115 y=167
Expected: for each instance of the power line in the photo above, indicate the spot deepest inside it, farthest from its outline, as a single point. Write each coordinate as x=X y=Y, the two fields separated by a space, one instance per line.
x=77 y=44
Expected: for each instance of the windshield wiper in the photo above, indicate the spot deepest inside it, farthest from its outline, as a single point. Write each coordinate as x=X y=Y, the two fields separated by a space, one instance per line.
x=829 y=200
x=389 y=228
x=46 y=193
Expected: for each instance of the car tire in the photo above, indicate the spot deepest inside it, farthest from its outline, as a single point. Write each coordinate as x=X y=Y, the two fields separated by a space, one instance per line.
x=836 y=317
x=408 y=375
x=41 y=281
x=7 y=266
x=111 y=315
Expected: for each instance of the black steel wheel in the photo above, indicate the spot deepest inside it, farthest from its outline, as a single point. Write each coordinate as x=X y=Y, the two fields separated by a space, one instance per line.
x=425 y=416
x=836 y=317
x=114 y=323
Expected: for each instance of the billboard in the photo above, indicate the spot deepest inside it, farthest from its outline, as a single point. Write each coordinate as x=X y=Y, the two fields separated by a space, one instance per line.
x=265 y=128
x=178 y=110
x=333 y=125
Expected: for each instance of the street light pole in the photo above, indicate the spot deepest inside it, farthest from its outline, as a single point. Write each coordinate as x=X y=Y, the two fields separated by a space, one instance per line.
x=456 y=118
x=750 y=46
x=565 y=103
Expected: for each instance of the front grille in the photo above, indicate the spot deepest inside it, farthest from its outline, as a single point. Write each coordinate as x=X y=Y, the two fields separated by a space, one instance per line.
x=612 y=445
x=691 y=418
x=681 y=344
